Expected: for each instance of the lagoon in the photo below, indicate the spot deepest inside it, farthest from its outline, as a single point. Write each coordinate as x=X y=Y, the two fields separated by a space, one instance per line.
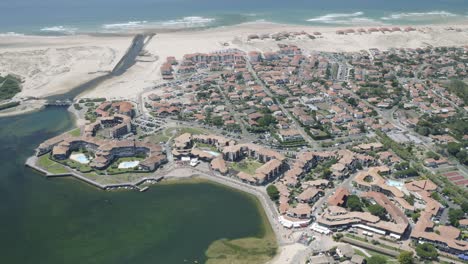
x=67 y=221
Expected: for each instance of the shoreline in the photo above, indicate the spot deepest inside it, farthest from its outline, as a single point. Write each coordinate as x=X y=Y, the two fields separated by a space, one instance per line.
x=193 y=177
x=159 y=29
x=32 y=106
x=94 y=55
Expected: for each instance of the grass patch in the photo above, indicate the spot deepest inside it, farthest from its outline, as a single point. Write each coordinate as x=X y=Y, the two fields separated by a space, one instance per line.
x=375 y=253
x=246 y=165
x=207 y=146
x=158 y=137
x=9 y=105
x=248 y=250
x=9 y=87
x=75 y=132
x=100 y=177
x=183 y=130
x=84 y=168
x=360 y=253
x=50 y=165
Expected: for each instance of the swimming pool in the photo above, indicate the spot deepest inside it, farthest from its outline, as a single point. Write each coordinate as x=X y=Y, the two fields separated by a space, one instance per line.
x=80 y=157
x=394 y=183
x=214 y=153
x=128 y=164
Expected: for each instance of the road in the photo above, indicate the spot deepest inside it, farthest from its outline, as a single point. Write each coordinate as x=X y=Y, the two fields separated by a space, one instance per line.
x=301 y=130
x=233 y=112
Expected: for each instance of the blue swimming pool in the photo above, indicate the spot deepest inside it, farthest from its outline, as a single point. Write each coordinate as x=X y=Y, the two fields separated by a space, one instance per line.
x=80 y=157
x=128 y=164
x=394 y=183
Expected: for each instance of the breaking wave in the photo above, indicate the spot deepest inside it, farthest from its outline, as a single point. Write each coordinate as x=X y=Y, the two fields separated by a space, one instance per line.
x=344 y=18
x=11 y=34
x=60 y=29
x=192 y=21
x=418 y=15
x=123 y=26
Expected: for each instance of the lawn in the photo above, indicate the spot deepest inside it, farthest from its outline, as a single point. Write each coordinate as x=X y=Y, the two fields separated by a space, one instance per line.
x=373 y=253
x=116 y=178
x=75 y=132
x=248 y=250
x=78 y=166
x=182 y=130
x=246 y=165
x=50 y=165
x=207 y=146
x=158 y=137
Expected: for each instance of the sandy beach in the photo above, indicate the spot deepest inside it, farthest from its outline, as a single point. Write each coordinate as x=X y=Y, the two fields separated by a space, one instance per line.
x=51 y=65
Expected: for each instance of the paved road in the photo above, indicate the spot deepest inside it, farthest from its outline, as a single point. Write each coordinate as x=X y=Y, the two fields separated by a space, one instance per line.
x=301 y=130
x=233 y=112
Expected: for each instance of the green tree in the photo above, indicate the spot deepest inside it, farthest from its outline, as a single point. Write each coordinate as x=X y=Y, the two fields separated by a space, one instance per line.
x=427 y=251
x=377 y=260
x=217 y=121
x=354 y=203
x=464 y=207
x=273 y=192
x=266 y=120
x=455 y=215
x=453 y=148
x=406 y=257
x=378 y=210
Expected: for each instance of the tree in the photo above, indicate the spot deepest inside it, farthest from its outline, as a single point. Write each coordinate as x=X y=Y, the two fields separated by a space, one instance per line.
x=377 y=260
x=217 y=121
x=464 y=206
x=455 y=215
x=266 y=120
x=378 y=210
x=273 y=192
x=406 y=257
x=453 y=148
x=427 y=251
x=354 y=203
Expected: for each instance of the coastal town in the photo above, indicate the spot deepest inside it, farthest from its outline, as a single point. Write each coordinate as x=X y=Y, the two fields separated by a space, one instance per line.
x=355 y=156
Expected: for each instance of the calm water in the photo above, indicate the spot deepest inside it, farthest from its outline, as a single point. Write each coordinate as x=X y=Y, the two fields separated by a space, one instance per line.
x=71 y=16
x=66 y=221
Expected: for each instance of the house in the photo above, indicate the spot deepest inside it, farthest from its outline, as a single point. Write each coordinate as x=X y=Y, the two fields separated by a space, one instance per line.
x=310 y=195
x=289 y=135
x=345 y=251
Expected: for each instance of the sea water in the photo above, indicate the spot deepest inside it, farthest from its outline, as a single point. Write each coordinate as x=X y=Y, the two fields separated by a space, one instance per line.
x=63 y=17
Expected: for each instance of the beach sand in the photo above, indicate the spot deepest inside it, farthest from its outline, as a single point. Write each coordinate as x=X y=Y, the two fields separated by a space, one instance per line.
x=146 y=74
x=51 y=65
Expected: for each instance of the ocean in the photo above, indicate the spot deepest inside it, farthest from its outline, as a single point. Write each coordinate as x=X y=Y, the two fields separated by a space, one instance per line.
x=62 y=17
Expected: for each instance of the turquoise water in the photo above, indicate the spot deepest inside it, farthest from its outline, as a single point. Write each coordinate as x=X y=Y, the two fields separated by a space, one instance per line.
x=214 y=153
x=394 y=183
x=58 y=221
x=128 y=164
x=81 y=158
x=52 y=17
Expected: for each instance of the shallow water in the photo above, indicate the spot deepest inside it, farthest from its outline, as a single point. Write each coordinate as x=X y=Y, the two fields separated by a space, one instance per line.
x=70 y=17
x=67 y=221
